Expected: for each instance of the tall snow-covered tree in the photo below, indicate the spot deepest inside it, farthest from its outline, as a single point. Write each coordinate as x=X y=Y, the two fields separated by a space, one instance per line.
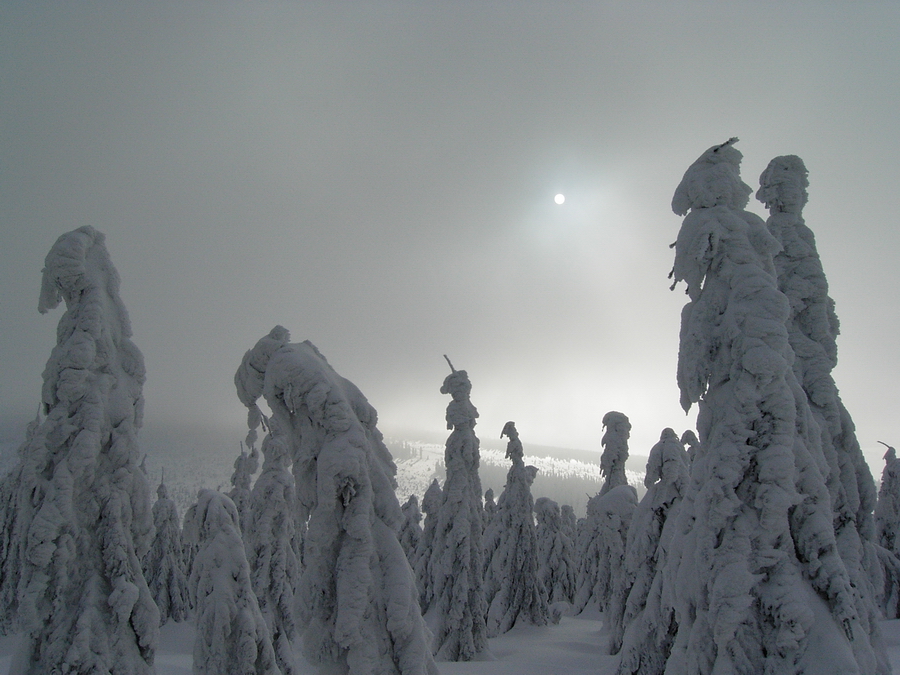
x=601 y=575
x=756 y=580
x=556 y=552
x=245 y=466
x=232 y=637
x=666 y=480
x=411 y=529
x=431 y=505
x=359 y=610
x=812 y=332
x=513 y=591
x=490 y=508
x=84 y=604
x=457 y=610
x=269 y=542
x=887 y=533
x=615 y=450
x=164 y=564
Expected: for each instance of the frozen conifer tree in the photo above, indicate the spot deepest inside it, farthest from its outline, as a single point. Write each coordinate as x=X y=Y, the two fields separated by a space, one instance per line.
x=513 y=591
x=602 y=574
x=556 y=552
x=666 y=480
x=812 y=332
x=431 y=505
x=268 y=540
x=615 y=450
x=457 y=610
x=245 y=466
x=569 y=524
x=232 y=637
x=490 y=508
x=411 y=529
x=691 y=444
x=756 y=578
x=83 y=601
x=163 y=564
x=359 y=610
x=887 y=523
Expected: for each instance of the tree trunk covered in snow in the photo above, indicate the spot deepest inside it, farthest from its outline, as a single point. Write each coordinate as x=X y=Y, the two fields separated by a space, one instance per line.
x=755 y=575
x=84 y=604
x=457 y=610
x=359 y=610
x=513 y=590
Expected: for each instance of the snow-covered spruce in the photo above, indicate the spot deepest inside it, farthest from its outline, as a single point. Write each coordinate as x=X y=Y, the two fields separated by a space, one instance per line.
x=887 y=524
x=513 y=591
x=84 y=604
x=269 y=542
x=457 y=609
x=245 y=465
x=812 y=331
x=411 y=529
x=490 y=508
x=431 y=505
x=556 y=552
x=755 y=576
x=615 y=450
x=164 y=564
x=359 y=611
x=232 y=637
x=666 y=480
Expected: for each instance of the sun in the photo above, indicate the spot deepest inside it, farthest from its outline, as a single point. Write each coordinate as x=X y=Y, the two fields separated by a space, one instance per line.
x=559 y=199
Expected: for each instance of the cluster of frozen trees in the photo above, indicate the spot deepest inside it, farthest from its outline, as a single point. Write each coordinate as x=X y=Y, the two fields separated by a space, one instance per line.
x=760 y=545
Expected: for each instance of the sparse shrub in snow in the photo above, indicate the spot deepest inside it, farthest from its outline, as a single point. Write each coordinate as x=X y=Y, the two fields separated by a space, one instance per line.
x=457 y=608
x=812 y=331
x=666 y=480
x=556 y=552
x=358 y=603
x=84 y=604
x=513 y=590
x=615 y=450
x=431 y=505
x=163 y=564
x=411 y=529
x=602 y=561
x=245 y=466
x=232 y=637
x=269 y=543
x=754 y=575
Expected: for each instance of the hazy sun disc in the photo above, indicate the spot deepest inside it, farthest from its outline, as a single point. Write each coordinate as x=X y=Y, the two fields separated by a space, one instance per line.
x=559 y=199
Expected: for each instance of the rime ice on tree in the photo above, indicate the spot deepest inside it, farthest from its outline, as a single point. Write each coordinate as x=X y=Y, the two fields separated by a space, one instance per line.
x=84 y=604
x=244 y=467
x=513 y=591
x=232 y=637
x=411 y=530
x=163 y=564
x=457 y=610
x=755 y=575
x=431 y=505
x=887 y=523
x=615 y=450
x=556 y=552
x=359 y=611
x=812 y=332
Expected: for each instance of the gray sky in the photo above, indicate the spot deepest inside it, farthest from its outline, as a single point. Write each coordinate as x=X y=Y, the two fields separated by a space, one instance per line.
x=379 y=178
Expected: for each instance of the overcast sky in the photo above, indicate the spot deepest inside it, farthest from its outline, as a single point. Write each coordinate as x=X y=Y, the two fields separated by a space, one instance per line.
x=378 y=177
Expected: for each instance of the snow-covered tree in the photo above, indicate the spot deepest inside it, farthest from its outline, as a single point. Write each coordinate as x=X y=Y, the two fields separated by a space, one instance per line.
x=457 y=610
x=666 y=480
x=411 y=529
x=359 y=610
x=615 y=450
x=490 y=508
x=601 y=575
x=245 y=466
x=232 y=637
x=84 y=604
x=887 y=524
x=269 y=542
x=513 y=591
x=164 y=564
x=755 y=578
x=556 y=552
x=812 y=332
x=691 y=444
x=568 y=523
x=431 y=505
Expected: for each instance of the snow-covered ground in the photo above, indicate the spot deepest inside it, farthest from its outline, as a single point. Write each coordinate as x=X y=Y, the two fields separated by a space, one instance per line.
x=574 y=647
